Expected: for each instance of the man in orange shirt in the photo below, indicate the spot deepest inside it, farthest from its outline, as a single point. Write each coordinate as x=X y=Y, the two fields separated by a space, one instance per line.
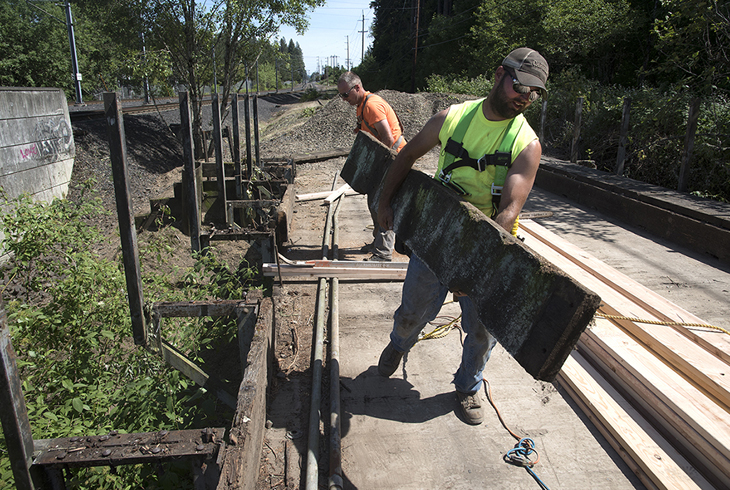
x=375 y=116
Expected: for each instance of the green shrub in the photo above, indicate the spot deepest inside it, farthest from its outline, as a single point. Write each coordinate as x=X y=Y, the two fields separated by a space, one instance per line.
x=309 y=95
x=71 y=330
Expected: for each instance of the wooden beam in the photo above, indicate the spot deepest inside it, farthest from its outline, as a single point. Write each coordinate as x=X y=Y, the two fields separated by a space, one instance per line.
x=125 y=216
x=535 y=311
x=655 y=457
x=14 y=413
x=322 y=195
x=391 y=271
x=170 y=309
x=706 y=371
x=241 y=457
x=697 y=426
x=121 y=449
x=711 y=340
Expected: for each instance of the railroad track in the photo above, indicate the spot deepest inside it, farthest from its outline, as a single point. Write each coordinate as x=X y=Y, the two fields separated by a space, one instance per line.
x=87 y=114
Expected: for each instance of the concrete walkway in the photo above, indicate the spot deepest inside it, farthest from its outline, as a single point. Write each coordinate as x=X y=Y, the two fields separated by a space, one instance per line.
x=403 y=432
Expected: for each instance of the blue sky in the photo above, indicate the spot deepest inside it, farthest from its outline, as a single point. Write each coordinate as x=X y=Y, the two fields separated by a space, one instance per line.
x=329 y=29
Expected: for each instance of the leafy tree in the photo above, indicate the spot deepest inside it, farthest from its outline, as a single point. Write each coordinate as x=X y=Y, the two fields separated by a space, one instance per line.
x=236 y=32
x=35 y=47
x=693 y=43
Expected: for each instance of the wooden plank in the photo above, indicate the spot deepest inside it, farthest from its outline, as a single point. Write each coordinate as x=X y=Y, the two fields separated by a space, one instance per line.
x=121 y=449
x=661 y=463
x=177 y=360
x=241 y=457
x=696 y=422
x=336 y=194
x=706 y=371
x=606 y=433
x=348 y=270
x=321 y=195
x=662 y=309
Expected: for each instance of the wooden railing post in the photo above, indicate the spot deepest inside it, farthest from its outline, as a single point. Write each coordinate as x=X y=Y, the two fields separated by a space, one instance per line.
x=192 y=201
x=543 y=115
x=623 y=134
x=236 y=146
x=127 y=231
x=689 y=143
x=13 y=413
x=576 y=130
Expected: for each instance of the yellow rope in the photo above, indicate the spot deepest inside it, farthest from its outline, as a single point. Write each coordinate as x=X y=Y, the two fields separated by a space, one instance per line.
x=657 y=322
x=441 y=330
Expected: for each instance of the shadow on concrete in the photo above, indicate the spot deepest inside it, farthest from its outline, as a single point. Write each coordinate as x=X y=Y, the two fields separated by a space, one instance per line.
x=394 y=399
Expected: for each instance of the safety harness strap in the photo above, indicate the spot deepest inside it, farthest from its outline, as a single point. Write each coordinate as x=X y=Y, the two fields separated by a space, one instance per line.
x=361 y=120
x=457 y=156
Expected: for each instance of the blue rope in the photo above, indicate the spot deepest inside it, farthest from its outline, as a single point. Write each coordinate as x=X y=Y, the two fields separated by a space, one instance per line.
x=520 y=456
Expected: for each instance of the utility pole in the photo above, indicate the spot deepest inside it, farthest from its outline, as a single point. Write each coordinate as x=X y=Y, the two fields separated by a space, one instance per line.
x=74 y=59
x=146 y=81
x=72 y=42
x=347 y=60
x=362 y=57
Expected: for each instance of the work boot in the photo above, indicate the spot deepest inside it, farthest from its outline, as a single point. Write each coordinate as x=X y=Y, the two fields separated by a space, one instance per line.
x=389 y=360
x=471 y=407
x=378 y=258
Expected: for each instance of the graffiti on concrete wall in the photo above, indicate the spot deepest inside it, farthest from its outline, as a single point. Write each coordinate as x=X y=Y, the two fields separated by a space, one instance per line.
x=54 y=141
x=29 y=151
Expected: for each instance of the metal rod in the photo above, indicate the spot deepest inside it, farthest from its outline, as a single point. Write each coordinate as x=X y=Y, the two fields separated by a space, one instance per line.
x=312 y=474
x=335 y=477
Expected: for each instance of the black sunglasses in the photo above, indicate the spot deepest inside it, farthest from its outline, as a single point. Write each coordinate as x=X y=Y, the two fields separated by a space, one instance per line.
x=524 y=89
x=346 y=94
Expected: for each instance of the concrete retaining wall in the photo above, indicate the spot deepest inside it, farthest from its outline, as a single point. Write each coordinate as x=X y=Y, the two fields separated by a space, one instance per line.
x=36 y=142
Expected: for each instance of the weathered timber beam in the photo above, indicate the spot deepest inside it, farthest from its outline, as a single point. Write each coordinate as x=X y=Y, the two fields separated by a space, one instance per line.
x=533 y=309
x=170 y=309
x=253 y=204
x=120 y=449
x=241 y=457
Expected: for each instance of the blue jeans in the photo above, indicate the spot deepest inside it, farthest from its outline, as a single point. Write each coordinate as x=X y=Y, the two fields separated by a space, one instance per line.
x=421 y=302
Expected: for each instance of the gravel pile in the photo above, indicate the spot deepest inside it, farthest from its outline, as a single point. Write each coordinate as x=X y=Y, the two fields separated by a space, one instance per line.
x=331 y=126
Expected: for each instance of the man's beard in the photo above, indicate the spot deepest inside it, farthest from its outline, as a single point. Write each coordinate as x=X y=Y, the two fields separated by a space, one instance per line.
x=502 y=105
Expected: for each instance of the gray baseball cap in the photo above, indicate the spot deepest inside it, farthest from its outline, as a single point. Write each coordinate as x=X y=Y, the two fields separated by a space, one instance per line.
x=530 y=68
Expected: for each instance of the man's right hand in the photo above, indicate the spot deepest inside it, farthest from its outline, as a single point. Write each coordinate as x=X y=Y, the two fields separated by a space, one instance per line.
x=385 y=216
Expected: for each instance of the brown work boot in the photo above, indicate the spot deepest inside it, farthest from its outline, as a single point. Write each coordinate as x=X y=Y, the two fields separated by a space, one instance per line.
x=389 y=360
x=471 y=407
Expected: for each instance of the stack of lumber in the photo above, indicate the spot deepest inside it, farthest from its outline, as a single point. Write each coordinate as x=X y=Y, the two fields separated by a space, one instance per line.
x=660 y=394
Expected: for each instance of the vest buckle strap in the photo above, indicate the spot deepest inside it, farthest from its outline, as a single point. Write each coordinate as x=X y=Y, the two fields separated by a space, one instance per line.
x=496 y=189
x=445 y=178
x=481 y=164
